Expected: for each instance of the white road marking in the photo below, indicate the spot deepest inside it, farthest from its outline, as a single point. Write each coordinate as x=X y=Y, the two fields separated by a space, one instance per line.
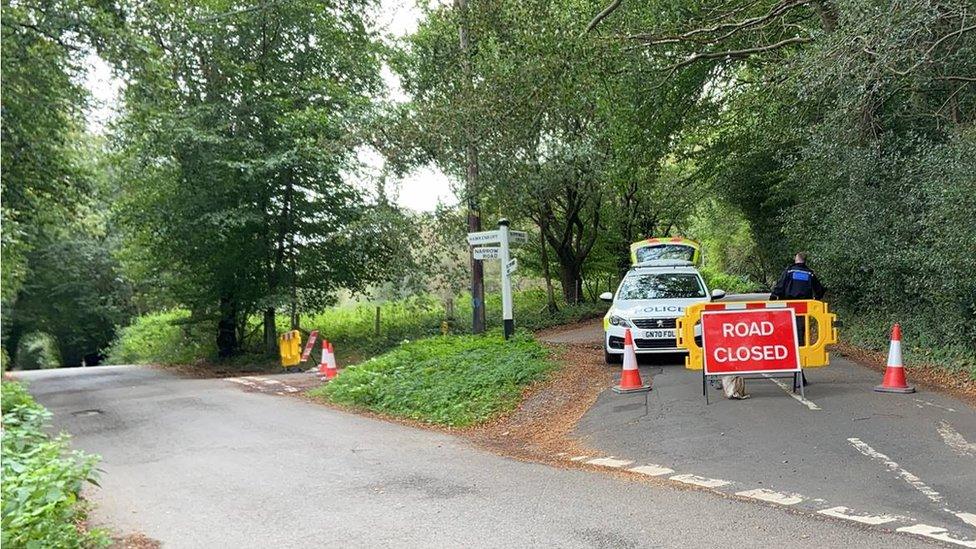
x=935 y=532
x=242 y=382
x=578 y=458
x=892 y=466
x=789 y=391
x=968 y=518
x=560 y=454
x=700 y=481
x=927 y=403
x=844 y=513
x=651 y=470
x=954 y=440
x=609 y=462
x=771 y=496
x=270 y=382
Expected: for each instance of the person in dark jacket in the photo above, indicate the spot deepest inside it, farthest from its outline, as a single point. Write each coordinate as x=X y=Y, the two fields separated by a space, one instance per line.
x=798 y=282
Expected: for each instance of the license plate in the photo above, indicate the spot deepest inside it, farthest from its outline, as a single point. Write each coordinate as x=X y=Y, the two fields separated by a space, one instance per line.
x=660 y=334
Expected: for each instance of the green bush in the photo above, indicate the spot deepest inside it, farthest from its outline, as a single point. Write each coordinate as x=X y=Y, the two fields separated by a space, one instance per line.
x=36 y=351
x=168 y=337
x=872 y=330
x=41 y=480
x=448 y=380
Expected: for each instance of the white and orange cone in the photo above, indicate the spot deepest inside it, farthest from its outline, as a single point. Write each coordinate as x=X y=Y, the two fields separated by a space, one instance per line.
x=327 y=368
x=894 y=377
x=333 y=369
x=630 y=378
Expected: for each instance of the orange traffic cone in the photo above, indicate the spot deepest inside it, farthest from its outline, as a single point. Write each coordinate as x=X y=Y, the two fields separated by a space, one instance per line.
x=894 y=377
x=326 y=369
x=630 y=379
x=332 y=369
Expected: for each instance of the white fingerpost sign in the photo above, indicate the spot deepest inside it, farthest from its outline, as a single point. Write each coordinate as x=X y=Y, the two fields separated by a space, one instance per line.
x=484 y=237
x=486 y=252
x=502 y=237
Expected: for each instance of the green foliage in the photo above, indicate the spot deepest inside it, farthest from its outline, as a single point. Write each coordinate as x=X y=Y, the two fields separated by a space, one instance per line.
x=37 y=350
x=168 y=337
x=448 y=380
x=235 y=157
x=173 y=338
x=41 y=481
x=14 y=394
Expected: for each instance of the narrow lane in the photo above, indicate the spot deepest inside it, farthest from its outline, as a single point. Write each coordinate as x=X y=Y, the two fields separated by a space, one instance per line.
x=205 y=463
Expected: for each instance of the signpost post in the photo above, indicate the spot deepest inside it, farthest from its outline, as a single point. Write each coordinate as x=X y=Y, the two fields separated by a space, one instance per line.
x=756 y=341
x=503 y=237
x=508 y=267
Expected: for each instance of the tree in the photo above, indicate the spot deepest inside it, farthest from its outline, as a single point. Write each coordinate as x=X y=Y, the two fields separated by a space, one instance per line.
x=241 y=128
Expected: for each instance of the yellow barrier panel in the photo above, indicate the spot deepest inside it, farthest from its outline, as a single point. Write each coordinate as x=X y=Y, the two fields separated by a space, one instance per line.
x=290 y=348
x=813 y=351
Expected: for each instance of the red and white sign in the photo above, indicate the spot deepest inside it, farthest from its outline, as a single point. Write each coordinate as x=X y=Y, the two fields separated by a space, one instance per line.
x=757 y=341
x=308 y=346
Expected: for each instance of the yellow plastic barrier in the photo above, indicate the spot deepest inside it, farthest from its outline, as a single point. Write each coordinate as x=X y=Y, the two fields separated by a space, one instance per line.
x=813 y=353
x=290 y=348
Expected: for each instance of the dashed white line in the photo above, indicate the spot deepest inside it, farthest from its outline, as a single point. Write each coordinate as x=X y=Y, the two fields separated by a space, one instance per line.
x=789 y=391
x=954 y=440
x=892 y=466
x=845 y=513
x=934 y=405
x=935 y=532
x=609 y=462
x=578 y=458
x=700 y=481
x=771 y=496
x=651 y=470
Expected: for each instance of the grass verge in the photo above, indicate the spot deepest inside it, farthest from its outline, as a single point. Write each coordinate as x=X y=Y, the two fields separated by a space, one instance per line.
x=41 y=480
x=446 y=380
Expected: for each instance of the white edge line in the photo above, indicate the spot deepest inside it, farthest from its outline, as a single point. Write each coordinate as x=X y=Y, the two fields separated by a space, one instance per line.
x=771 y=496
x=700 y=481
x=651 y=470
x=609 y=462
x=935 y=532
x=842 y=512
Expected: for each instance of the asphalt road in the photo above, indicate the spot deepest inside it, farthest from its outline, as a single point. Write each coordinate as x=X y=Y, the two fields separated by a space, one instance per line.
x=208 y=463
x=905 y=460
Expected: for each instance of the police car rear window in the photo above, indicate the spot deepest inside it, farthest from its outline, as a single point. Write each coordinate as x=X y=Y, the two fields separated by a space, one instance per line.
x=661 y=286
x=665 y=251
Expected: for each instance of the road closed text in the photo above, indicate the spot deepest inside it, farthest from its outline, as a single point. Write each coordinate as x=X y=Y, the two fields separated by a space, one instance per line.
x=750 y=341
x=743 y=354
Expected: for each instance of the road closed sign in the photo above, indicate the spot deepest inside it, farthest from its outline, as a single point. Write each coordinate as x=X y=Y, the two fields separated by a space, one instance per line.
x=757 y=341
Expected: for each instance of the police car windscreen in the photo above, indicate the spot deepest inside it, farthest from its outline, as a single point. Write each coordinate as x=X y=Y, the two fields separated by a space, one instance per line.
x=661 y=286
x=667 y=251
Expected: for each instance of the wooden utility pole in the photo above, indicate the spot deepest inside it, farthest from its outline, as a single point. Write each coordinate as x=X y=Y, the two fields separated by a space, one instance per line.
x=471 y=175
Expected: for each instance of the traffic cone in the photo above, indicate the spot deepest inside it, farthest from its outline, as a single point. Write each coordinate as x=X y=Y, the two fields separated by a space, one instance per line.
x=894 y=377
x=331 y=370
x=324 y=364
x=630 y=379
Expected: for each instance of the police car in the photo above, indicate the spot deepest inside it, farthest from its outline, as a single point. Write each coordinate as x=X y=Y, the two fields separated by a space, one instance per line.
x=662 y=281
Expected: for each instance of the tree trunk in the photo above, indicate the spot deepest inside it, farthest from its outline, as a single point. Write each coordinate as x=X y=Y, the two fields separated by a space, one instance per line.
x=471 y=183
x=270 y=332
x=569 y=277
x=227 y=328
x=547 y=274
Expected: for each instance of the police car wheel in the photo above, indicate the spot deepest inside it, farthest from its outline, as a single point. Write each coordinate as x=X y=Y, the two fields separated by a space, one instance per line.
x=611 y=358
